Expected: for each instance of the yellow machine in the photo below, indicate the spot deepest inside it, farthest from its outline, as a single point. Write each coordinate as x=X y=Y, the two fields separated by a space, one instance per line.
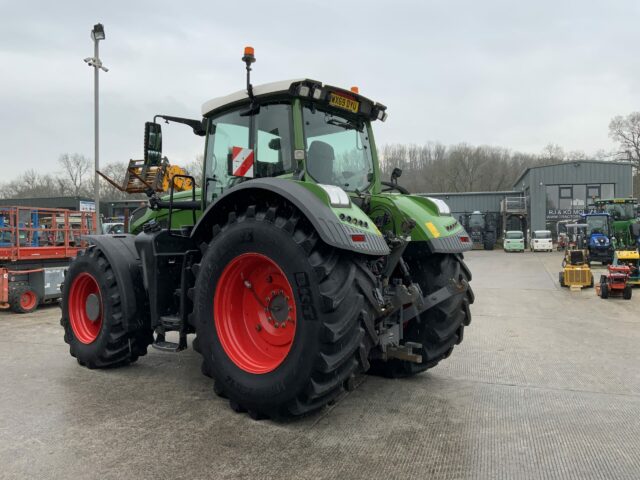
x=142 y=177
x=154 y=173
x=631 y=258
x=576 y=271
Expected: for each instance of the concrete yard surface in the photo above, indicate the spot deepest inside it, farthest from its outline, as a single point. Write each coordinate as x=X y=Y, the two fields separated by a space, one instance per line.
x=545 y=385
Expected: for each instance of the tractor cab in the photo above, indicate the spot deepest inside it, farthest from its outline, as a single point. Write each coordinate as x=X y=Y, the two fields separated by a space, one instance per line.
x=300 y=129
x=599 y=237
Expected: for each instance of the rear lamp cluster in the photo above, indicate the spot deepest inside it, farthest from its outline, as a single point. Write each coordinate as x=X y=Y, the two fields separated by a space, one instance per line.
x=315 y=91
x=354 y=221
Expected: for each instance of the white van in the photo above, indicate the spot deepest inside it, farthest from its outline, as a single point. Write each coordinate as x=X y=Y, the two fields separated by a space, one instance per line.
x=541 y=241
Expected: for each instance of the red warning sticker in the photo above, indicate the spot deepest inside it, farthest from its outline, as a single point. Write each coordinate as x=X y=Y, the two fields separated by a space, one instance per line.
x=242 y=162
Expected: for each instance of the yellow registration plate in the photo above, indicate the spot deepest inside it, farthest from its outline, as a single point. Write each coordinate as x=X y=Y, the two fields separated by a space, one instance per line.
x=343 y=102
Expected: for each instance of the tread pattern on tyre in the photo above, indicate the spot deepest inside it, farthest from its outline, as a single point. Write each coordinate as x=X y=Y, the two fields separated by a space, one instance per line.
x=122 y=347
x=440 y=328
x=346 y=313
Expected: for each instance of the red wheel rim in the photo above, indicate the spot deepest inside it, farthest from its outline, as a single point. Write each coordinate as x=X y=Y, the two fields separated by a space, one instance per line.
x=28 y=300
x=85 y=324
x=254 y=313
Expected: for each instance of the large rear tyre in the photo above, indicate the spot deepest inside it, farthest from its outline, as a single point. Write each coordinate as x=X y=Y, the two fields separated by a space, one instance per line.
x=604 y=291
x=23 y=299
x=282 y=319
x=440 y=328
x=92 y=315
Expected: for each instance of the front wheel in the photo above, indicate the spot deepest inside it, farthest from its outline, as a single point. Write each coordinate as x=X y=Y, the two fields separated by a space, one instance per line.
x=440 y=328
x=604 y=291
x=626 y=293
x=280 y=316
x=92 y=315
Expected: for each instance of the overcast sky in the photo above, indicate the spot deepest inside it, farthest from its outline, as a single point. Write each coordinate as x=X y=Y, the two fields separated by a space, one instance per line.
x=514 y=74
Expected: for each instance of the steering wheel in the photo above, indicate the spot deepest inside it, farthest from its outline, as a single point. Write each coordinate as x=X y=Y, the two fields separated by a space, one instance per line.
x=394 y=186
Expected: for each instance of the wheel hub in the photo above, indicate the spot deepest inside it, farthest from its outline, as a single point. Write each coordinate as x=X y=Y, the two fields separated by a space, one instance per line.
x=85 y=307
x=254 y=313
x=92 y=307
x=279 y=309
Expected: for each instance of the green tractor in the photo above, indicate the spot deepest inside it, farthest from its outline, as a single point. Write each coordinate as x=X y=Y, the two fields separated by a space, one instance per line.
x=624 y=220
x=294 y=264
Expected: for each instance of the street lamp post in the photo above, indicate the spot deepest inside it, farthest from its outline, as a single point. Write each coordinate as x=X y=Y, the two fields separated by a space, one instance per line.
x=97 y=34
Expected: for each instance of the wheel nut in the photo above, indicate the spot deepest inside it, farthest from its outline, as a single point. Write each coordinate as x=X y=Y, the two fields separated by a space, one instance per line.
x=258 y=327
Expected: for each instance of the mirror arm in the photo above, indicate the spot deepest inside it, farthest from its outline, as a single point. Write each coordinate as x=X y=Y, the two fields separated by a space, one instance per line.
x=196 y=125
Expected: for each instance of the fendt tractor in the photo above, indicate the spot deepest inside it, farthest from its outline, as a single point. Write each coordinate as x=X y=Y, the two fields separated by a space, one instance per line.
x=294 y=264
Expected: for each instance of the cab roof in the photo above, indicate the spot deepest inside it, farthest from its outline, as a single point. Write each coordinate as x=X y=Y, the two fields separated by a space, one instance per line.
x=282 y=86
x=273 y=88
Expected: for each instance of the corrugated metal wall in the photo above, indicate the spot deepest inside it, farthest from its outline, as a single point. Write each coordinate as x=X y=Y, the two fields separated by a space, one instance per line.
x=535 y=180
x=470 y=202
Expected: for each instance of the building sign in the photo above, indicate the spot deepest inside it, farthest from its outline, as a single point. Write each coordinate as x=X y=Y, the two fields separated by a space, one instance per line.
x=568 y=213
x=86 y=206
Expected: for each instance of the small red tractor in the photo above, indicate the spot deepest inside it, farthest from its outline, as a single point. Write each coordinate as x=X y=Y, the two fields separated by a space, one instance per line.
x=616 y=282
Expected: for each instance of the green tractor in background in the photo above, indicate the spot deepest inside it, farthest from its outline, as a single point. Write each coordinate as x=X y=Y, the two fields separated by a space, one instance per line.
x=624 y=221
x=294 y=264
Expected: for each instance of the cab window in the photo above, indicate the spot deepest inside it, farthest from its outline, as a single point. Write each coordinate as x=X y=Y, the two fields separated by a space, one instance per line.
x=268 y=133
x=273 y=140
x=338 y=150
x=225 y=132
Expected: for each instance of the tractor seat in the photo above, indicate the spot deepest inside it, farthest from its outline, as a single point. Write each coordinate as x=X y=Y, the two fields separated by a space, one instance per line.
x=320 y=158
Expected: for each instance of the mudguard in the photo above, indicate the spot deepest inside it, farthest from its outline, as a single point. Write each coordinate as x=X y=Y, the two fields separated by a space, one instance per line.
x=331 y=223
x=429 y=221
x=123 y=257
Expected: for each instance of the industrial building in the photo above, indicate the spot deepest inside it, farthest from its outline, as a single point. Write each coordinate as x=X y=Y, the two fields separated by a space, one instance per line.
x=543 y=195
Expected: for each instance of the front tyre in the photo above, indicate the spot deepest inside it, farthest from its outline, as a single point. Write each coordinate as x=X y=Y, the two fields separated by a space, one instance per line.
x=280 y=316
x=92 y=315
x=440 y=328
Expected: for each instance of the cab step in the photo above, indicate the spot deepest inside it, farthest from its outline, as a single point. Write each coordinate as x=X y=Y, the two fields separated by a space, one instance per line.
x=163 y=345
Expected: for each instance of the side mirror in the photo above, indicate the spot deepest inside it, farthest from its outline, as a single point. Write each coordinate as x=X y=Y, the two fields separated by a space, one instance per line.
x=152 y=143
x=395 y=174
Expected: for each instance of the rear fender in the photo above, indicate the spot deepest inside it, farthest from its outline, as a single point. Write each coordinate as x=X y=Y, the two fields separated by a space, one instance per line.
x=125 y=262
x=312 y=201
x=434 y=225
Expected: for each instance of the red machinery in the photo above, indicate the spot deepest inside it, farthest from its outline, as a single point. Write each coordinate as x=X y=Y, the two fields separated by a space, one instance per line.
x=36 y=246
x=616 y=282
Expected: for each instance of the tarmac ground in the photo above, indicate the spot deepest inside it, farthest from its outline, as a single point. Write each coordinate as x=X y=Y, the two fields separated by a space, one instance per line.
x=545 y=385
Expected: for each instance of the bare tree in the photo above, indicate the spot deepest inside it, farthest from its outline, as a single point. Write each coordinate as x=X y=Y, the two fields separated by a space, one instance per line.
x=626 y=132
x=553 y=153
x=195 y=169
x=75 y=168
